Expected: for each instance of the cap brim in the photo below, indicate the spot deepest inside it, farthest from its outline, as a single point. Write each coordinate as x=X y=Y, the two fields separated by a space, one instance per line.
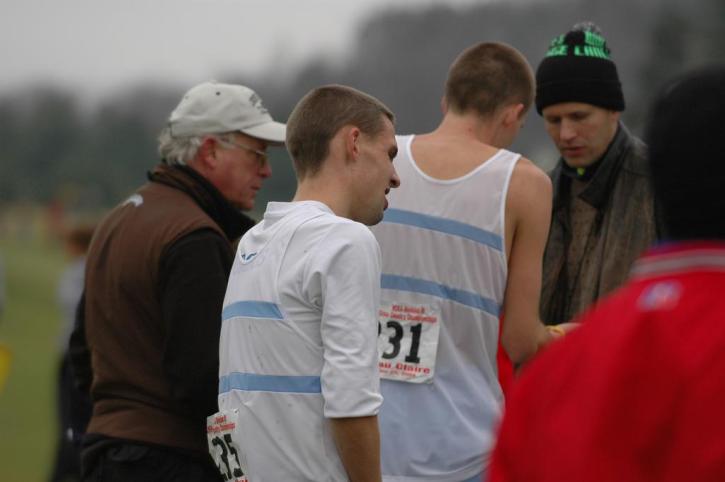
x=272 y=132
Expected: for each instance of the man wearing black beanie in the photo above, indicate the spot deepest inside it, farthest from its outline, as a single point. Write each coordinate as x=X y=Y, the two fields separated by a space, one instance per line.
x=603 y=207
x=636 y=393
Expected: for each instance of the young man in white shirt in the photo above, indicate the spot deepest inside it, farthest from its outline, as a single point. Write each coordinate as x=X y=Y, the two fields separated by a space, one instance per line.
x=299 y=390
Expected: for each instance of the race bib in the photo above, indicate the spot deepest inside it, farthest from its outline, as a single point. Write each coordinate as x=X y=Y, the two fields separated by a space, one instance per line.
x=225 y=452
x=408 y=341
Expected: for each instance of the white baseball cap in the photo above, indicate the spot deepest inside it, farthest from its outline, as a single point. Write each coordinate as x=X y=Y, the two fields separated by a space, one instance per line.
x=214 y=108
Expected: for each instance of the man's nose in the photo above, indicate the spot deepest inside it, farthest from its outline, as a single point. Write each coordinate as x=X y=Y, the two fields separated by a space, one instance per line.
x=395 y=180
x=566 y=131
x=265 y=170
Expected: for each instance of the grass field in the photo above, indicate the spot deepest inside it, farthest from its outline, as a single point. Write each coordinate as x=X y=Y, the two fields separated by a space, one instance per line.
x=29 y=326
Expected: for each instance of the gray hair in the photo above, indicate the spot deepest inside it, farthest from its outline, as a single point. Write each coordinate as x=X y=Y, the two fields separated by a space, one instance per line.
x=181 y=150
x=178 y=150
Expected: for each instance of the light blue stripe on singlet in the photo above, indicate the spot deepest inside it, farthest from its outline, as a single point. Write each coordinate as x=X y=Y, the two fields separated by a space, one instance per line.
x=252 y=309
x=443 y=225
x=269 y=383
x=416 y=285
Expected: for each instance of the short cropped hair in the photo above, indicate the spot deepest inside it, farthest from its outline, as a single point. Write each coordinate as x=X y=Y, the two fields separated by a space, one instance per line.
x=685 y=158
x=320 y=114
x=488 y=76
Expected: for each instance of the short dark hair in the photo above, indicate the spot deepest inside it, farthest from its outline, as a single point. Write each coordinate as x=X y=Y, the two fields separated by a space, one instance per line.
x=320 y=114
x=488 y=76
x=686 y=160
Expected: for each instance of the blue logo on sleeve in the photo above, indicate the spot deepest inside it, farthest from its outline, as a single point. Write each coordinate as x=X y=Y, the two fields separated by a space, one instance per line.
x=247 y=258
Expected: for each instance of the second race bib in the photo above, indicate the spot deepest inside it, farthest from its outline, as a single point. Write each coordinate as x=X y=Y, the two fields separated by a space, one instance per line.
x=225 y=452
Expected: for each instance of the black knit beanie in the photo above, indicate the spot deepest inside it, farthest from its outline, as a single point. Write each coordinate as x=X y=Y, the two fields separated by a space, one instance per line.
x=577 y=68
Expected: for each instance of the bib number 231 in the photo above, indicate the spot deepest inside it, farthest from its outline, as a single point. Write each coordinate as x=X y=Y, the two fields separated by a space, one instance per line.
x=408 y=342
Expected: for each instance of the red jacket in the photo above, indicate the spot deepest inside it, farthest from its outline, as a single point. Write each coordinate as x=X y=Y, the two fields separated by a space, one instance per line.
x=638 y=392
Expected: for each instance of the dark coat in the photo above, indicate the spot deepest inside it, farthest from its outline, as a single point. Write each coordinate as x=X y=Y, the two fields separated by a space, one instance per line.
x=625 y=225
x=156 y=276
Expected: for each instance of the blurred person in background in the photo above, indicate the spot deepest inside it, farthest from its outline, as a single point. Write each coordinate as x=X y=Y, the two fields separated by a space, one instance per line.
x=5 y=355
x=603 y=208
x=147 y=340
x=462 y=241
x=74 y=405
x=2 y=287
x=70 y=285
x=636 y=394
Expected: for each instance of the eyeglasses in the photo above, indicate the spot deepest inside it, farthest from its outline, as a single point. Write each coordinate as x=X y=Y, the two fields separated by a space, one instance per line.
x=261 y=155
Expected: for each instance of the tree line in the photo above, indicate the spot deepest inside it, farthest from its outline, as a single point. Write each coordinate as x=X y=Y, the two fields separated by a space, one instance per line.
x=55 y=149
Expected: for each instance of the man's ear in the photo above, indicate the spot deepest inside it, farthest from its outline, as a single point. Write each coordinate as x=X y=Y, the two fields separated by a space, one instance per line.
x=352 y=137
x=444 y=105
x=206 y=154
x=513 y=113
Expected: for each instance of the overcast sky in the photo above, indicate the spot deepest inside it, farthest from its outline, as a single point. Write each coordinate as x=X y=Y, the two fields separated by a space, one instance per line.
x=103 y=45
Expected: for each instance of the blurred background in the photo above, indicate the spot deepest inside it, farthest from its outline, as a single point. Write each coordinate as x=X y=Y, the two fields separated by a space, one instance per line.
x=87 y=84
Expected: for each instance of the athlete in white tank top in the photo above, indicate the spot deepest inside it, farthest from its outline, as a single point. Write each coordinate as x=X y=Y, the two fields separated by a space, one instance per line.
x=462 y=241
x=462 y=220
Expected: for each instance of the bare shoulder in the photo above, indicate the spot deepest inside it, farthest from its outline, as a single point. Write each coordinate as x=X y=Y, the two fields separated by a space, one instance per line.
x=530 y=182
x=528 y=203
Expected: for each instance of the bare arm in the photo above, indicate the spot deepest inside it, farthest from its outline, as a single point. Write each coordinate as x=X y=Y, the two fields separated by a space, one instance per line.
x=528 y=215
x=358 y=443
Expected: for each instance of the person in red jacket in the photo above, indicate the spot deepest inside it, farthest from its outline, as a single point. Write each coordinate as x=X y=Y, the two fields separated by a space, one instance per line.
x=636 y=393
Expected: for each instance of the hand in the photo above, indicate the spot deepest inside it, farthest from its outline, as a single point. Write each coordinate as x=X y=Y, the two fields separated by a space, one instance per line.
x=558 y=331
x=569 y=326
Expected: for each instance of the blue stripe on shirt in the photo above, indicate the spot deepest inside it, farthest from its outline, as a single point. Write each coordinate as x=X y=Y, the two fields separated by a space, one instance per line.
x=417 y=285
x=443 y=225
x=251 y=382
x=252 y=309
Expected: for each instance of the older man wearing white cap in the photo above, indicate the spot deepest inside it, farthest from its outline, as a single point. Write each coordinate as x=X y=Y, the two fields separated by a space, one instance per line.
x=147 y=339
